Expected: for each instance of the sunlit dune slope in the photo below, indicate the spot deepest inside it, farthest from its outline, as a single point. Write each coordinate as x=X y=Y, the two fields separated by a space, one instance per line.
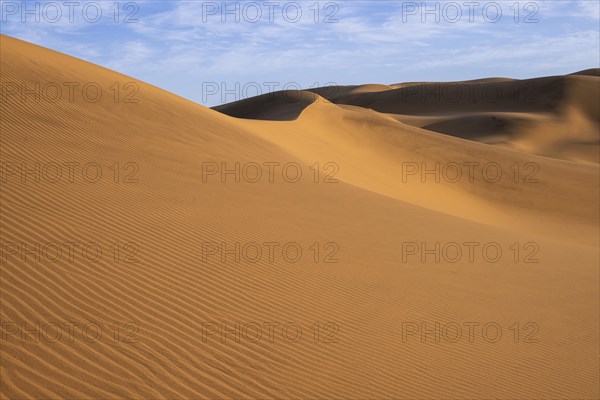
x=167 y=202
x=474 y=181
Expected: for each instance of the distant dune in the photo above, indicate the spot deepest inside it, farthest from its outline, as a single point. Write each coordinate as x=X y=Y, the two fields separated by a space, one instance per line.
x=588 y=72
x=554 y=117
x=179 y=197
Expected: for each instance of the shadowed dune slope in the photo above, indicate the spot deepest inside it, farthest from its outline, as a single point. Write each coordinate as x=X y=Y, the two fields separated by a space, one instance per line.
x=589 y=72
x=283 y=105
x=154 y=219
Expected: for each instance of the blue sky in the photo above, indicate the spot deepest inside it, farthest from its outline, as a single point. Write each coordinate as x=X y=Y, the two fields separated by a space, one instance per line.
x=197 y=50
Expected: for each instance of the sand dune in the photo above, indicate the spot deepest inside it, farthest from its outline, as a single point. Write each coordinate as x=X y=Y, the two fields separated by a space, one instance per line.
x=276 y=106
x=554 y=116
x=588 y=72
x=163 y=282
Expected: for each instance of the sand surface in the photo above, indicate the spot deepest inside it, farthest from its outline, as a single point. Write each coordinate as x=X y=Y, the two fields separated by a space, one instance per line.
x=370 y=298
